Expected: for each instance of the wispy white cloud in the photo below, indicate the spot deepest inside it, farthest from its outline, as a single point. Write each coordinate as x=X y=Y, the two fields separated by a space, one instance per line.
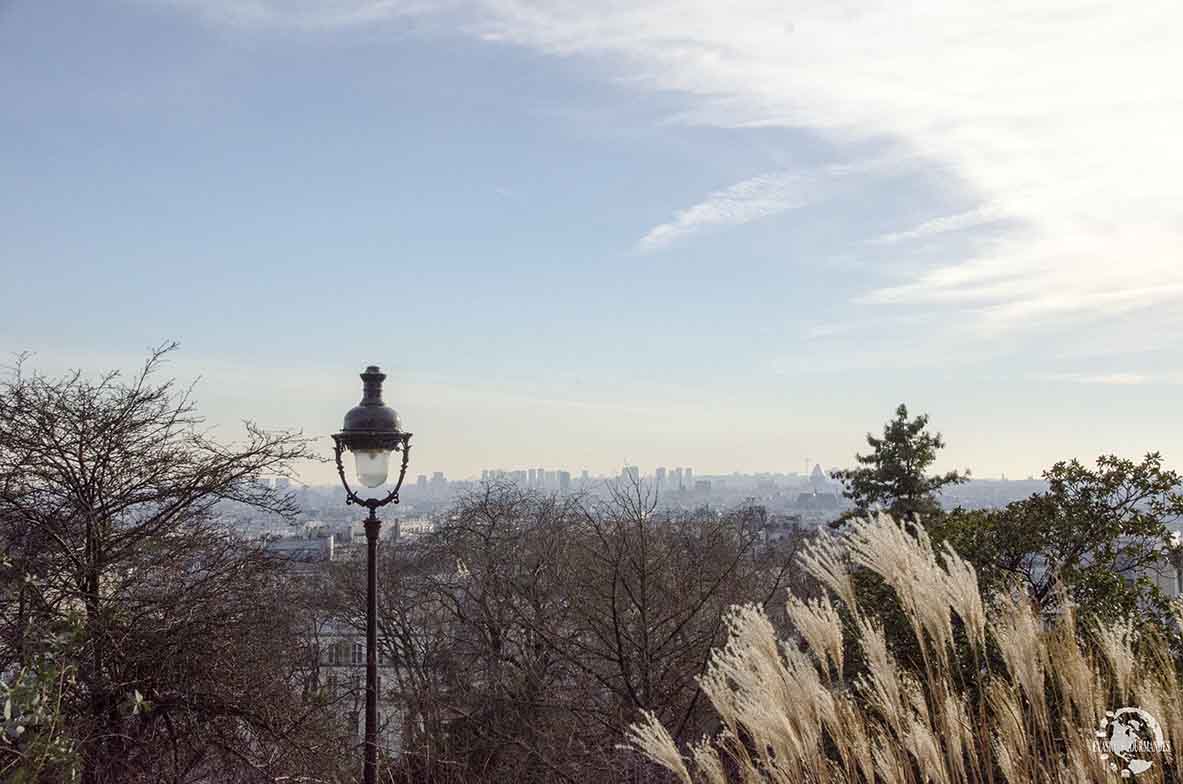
x=949 y=223
x=744 y=202
x=1109 y=379
x=1061 y=116
x=764 y=196
x=304 y=14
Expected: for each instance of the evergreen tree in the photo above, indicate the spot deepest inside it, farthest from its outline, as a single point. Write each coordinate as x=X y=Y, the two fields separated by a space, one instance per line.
x=894 y=476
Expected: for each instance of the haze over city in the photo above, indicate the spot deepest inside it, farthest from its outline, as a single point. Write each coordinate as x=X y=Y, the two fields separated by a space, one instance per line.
x=583 y=234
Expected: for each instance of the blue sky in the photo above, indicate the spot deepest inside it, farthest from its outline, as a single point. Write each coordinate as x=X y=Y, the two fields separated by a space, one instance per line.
x=580 y=233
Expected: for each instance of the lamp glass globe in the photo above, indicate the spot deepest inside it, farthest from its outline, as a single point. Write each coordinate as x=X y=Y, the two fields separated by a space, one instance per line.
x=373 y=466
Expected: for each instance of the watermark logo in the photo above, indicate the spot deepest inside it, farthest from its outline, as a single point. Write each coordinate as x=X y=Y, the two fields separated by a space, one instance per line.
x=1129 y=740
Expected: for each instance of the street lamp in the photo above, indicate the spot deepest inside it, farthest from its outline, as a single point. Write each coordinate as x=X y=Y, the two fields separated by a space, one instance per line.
x=371 y=432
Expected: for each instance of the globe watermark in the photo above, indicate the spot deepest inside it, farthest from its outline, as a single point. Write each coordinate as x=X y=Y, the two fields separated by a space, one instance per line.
x=1129 y=740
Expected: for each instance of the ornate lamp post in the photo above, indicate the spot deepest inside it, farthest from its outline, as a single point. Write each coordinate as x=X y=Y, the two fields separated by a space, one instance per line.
x=372 y=432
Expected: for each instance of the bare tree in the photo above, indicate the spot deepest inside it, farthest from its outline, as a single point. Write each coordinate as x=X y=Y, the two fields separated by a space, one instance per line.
x=530 y=630
x=186 y=650
x=649 y=590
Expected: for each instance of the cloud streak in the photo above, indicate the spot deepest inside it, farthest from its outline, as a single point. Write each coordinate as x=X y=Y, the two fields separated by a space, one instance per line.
x=1115 y=379
x=309 y=15
x=1107 y=379
x=747 y=201
x=762 y=197
x=938 y=226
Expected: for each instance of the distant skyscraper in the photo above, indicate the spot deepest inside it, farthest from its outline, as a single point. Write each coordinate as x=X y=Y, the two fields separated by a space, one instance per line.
x=484 y=475
x=632 y=473
x=688 y=475
x=818 y=479
x=421 y=483
x=584 y=477
x=660 y=475
x=564 y=482
x=676 y=479
x=282 y=484
x=532 y=477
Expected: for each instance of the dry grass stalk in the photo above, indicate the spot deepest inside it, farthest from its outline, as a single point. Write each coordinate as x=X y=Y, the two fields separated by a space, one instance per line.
x=1027 y=718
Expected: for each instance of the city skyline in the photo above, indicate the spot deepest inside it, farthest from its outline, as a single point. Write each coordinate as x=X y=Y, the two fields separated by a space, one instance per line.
x=583 y=236
x=655 y=477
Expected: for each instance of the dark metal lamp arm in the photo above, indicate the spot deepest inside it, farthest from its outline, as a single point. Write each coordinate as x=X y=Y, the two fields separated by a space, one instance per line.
x=373 y=503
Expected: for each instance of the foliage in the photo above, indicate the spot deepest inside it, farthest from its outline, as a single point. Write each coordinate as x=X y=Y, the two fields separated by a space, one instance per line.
x=1000 y=697
x=33 y=746
x=894 y=476
x=1099 y=534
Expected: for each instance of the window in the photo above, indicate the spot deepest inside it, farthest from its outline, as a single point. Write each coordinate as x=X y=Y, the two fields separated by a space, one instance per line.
x=331 y=684
x=359 y=653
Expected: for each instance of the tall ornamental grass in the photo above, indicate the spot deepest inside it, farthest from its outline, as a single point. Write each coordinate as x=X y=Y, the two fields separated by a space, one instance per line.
x=972 y=690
